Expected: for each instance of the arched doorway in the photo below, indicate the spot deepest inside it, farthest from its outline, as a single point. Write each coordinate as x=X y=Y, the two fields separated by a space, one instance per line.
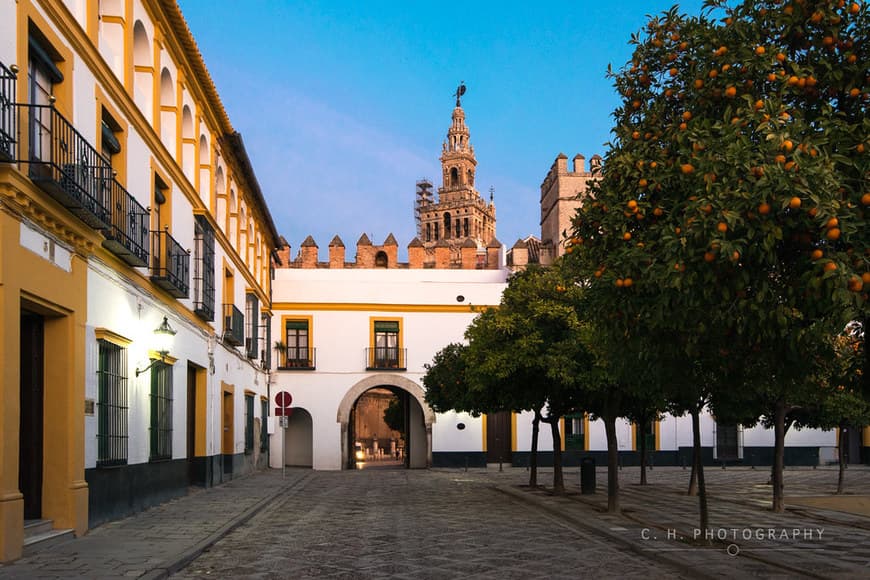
x=299 y=440
x=416 y=444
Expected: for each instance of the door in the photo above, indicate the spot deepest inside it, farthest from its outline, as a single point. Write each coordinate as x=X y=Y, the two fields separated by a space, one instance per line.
x=30 y=438
x=726 y=443
x=191 y=424
x=227 y=444
x=498 y=437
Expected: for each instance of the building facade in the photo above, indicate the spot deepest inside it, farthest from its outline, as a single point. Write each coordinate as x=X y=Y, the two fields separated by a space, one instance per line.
x=129 y=212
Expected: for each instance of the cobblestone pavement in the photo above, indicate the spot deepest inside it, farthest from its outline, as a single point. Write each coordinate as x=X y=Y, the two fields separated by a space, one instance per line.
x=477 y=524
x=151 y=543
x=443 y=524
x=802 y=541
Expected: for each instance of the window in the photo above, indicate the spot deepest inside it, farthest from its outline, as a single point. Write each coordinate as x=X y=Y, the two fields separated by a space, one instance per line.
x=203 y=269
x=386 y=350
x=265 y=341
x=381 y=260
x=465 y=226
x=297 y=339
x=458 y=231
x=575 y=431
x=252 y=316
x=110 y=146
x=428 y=232
x=436 y=232
x=161 y=412
x=447 y=225
x=42 y=76
x=249 y=422
x=111 y=404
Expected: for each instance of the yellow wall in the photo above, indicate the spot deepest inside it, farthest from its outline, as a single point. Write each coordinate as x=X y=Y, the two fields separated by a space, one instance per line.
x=60 y=297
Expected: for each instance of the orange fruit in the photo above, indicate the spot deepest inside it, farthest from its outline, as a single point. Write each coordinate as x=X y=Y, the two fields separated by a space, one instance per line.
x=865 y=277
x=859 y=148
x=598 y=273
x=813 y=211
x=794 y=203
x=632 y=204
x=759 y=50
x=626 y=236
x=658 y=211
x=699 y=83
x=764 y=208
x=709 y=256
x=830 y=266
x=687 y=168
x=855 y=284
x=722 y=227
x=713 y=74
x=787 y=145
x=865 y=199
x=687 y=115
x=759 y=104
x=735 y=255
x=627 y=283
x=677 y=230
x=707 y=209
x=643 y=182
x=619 y=283
x=832 y=223
x=833 y=234
x=771 y=77
x=817 y=255
x=780 y=57
x=730 y=91
x=779 y=159
x=854 y=8
x=635 y=135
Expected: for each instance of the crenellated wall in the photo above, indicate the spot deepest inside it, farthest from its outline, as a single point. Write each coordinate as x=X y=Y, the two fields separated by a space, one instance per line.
x=467 y=256
x=562 y=192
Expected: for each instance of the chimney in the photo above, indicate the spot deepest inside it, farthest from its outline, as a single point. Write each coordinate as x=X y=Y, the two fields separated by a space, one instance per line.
x=579 y=164
x=520 y=254
x=442 y=254
x=416 y=254
x=595 y=165
x=493 y=254
x=283 y=253
x=336 y=253
x=309 y=253
x=468 y=253
x=365 y=253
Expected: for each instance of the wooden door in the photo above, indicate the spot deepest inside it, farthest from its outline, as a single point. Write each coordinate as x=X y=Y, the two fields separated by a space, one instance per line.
x=30 y=441
x=498 y=437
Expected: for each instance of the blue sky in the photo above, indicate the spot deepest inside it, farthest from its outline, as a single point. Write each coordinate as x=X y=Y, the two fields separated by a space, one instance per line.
x=343 y=106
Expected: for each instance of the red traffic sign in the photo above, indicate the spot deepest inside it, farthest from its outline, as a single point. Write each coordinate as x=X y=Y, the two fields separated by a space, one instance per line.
x=283 y=411
x=283 y=399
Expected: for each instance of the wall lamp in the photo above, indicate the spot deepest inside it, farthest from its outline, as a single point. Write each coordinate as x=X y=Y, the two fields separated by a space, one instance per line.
x=163 y=341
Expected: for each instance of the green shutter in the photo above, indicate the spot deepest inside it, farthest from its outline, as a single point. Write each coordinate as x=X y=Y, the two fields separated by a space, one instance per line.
x=297 y=325
x=384 y=326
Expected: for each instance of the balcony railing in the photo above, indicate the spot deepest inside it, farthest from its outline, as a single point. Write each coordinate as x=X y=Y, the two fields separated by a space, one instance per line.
x=8 y=114
x=386 y=358
x=298 y=358
x=170 y=264
x=128 y=235
x=67 y=167
x=234 y=325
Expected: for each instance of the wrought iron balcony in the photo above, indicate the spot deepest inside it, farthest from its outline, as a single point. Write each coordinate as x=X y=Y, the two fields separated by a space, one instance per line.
x=297 y=358
x=234 y=325
x=8 y=114
x=170 y=264
x=386 y=358
x=128 y=235
x=67 y=167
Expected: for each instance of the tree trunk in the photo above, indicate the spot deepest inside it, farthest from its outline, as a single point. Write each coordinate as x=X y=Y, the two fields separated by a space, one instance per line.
x=642 y=458
x=693 y=477
x=704 y=515
x=558 y=480
x=778 y=455
x=841 y=452
x=612 y=465
x=533 y=459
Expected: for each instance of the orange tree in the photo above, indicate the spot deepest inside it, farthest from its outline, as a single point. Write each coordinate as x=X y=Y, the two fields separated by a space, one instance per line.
x=730 y=215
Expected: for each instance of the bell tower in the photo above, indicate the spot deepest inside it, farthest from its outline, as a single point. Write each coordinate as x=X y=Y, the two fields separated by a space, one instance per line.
x=460 y=214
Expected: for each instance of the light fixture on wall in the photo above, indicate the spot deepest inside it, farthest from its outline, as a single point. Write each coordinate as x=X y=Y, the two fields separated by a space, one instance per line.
x=163 y=342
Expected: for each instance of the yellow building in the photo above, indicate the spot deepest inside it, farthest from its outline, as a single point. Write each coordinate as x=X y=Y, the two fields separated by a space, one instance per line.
x=129 y=212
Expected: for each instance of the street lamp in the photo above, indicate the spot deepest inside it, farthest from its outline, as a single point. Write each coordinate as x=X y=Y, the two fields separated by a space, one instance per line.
x=163 y=341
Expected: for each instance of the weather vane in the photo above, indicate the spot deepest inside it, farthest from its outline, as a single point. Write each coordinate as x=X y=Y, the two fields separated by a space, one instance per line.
x=460 y=90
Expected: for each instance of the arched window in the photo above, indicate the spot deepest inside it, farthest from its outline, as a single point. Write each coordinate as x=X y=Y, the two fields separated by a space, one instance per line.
x=470 y=179
x=381 y=260
x=454 y=177
x=167 y=110
x=446 y=224
x=143 y=75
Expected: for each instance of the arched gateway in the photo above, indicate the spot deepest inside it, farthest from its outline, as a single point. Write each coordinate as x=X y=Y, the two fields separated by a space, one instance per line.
x=420 y=456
